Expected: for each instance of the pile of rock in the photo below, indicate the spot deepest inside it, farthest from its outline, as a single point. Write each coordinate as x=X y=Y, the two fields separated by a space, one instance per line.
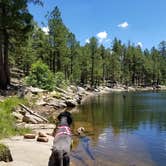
x=60 y=98
x=24 y=114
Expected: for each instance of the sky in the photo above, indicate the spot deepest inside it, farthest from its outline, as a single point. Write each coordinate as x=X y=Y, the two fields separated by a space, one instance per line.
x=142 y=22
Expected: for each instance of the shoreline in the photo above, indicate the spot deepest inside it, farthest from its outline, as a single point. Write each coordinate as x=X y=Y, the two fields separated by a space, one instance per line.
x=106 y=90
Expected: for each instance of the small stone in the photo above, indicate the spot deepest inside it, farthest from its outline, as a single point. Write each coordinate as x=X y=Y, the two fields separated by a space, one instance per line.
x=42 y=139
x=29 y=136
x=42 y=134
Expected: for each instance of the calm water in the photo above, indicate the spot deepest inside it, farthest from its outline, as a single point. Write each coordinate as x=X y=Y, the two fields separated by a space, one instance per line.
x=123 y=130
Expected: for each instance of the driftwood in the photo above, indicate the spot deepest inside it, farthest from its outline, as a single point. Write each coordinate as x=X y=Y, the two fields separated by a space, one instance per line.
x=31 y=112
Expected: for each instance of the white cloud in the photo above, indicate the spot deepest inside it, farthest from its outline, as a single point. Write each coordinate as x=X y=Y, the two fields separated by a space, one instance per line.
x=45 y=30
x=140 y=44
x=87 y=41
x=123 y=25
x=102 y=36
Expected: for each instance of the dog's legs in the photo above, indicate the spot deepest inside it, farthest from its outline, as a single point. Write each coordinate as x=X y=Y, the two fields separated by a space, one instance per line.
x=54 y=159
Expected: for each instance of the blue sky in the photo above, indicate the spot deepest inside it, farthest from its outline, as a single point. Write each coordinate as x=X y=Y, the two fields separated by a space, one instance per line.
x=140 y=21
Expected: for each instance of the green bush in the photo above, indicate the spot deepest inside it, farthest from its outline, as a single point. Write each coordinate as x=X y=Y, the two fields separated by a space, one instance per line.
x=40 y=76
x=60 y=80
x=7 y=121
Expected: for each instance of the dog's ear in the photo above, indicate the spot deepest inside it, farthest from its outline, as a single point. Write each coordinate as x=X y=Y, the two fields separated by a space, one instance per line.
x=66 y=114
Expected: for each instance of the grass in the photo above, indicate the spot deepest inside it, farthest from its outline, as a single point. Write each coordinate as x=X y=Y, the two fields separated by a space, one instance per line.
x=7 y=121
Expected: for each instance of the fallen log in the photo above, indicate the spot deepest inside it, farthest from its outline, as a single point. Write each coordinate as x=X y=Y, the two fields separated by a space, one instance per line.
x=31 y=112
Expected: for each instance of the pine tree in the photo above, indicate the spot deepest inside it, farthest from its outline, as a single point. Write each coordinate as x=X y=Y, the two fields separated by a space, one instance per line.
x=15 y=22
x=58 y=39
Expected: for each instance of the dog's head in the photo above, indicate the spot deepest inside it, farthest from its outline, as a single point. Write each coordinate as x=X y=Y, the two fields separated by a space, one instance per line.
x=66 y=114
x=81 y=130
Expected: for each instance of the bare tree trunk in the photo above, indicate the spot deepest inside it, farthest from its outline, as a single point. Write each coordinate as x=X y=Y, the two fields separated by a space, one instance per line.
x=3 y=79
x=6 y=57
x=92 y=71
x=4 y=60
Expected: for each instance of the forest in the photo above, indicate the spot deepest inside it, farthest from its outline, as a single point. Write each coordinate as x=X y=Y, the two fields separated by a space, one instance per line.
x=46 y=58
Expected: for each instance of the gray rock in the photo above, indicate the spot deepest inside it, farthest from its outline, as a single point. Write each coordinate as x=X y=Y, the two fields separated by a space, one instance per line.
x=41 y=102
x=57 y=103
x=73 y=88
x=29 y=119
x=17 y=115
x=60 y=90
x=34 y=90
x=5 y=154
x=80 y=90
x=71 y=103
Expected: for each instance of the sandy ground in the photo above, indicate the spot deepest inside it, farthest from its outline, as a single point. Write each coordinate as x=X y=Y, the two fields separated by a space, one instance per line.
x=26 y=152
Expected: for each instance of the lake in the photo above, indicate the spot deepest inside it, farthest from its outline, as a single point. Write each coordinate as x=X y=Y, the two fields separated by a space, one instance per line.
x=123 y=129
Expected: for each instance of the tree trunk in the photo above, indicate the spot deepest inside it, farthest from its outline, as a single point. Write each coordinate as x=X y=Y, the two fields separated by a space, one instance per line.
x=53 y=62
x=3 y=79
x=92 y=72
x=58 y=61
x=6 y=57
x=4 y=60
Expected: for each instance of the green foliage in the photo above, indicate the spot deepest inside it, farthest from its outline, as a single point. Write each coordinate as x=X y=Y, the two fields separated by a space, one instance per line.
x=40 y=76
x=7 y=121
x=89 y=64
x=2 y=147
x=60 y=80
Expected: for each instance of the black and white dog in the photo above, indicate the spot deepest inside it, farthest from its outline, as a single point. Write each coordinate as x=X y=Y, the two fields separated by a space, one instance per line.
x=62 y=141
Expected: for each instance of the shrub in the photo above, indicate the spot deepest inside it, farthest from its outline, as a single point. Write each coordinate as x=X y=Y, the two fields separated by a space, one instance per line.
x=40 y=76
x=60 y=80
x=7 y=121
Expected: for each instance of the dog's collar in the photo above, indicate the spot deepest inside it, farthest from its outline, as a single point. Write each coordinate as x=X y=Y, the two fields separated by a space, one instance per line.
x=66 y=131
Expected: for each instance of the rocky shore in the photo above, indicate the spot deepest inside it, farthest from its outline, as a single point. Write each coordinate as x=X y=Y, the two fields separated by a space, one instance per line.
x=43 y=105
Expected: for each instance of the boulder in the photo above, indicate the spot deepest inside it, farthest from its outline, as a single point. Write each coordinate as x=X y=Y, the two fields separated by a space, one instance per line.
x=55 y=94
x=78 y=98
x=40 y=102
x=29 y=136
x=32 y=119
x=42 y=139
x=71 y=103
x=66 y=96
x=41 y=134
x=29 y=119
x=35 y=90
x=60 y=90
x=80 y=90
x=73 y=88
x=56 y=103
x=17 y=115
x=5 y=154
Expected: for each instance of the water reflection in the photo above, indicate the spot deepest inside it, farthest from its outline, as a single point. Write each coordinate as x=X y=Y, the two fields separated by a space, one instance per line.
x=127 y=131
